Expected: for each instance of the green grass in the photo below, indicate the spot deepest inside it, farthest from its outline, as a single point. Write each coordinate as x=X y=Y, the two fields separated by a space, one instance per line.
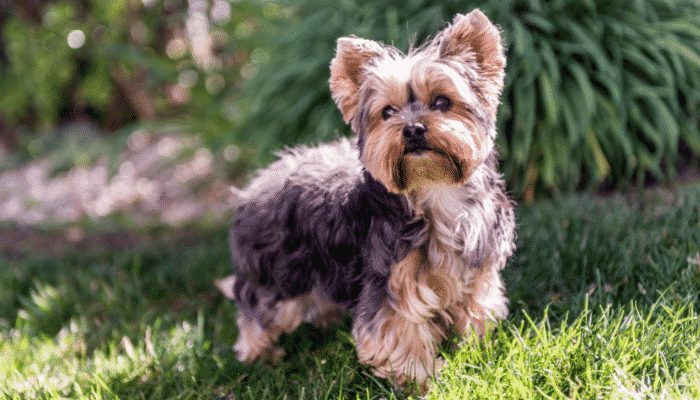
x=622 y=353
x=604 y=304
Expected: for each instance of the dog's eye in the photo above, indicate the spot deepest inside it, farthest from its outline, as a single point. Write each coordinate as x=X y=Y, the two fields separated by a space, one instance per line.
x=389 y=111
x=441 y=103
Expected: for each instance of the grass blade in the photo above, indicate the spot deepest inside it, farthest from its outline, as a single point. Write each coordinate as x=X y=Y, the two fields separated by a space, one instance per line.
x=549 y=98
x=602 y=163
x=584 y=84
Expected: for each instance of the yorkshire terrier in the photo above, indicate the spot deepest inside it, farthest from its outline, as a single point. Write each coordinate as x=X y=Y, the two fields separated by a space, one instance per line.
x=405 y=226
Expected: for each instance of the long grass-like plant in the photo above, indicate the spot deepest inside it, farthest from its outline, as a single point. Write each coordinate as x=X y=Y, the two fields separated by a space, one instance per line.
x=596 y=92
x=599 y=91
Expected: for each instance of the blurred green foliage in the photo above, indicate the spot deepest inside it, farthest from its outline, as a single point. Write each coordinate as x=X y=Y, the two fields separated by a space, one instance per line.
x=121 y=62
x=597 y=93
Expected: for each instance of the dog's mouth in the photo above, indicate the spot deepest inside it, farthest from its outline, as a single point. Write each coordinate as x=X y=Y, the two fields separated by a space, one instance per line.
x=423 y=149
x=416 y=149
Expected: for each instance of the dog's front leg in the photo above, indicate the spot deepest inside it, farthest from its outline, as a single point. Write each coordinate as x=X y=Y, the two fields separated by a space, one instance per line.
x=401 y=338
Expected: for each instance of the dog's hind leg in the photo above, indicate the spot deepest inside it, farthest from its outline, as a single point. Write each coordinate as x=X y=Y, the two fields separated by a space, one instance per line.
x=258 y=341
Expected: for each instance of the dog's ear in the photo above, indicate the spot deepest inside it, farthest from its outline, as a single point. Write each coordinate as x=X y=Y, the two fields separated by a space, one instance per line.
x=473 y=38
x=347 y=70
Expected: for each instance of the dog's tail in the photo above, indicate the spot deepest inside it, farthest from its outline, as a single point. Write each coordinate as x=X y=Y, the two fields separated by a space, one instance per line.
x=226 y=285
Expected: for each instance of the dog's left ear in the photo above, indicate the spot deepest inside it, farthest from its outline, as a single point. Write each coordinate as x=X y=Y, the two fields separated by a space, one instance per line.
x=474 y=37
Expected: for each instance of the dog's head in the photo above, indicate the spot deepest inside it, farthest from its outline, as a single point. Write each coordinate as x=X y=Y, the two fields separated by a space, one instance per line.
x=427 y=117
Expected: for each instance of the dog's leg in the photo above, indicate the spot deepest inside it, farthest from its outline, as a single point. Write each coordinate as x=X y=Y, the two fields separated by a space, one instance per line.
x=256 y=341
x=401 y=339
x=398 y=348
x=484 y=304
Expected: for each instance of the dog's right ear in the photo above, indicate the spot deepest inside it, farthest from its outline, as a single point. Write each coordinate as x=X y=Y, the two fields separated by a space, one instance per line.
x=347 y=69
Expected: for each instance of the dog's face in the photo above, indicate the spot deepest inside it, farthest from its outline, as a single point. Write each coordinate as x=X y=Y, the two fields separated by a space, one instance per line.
x=427 y=117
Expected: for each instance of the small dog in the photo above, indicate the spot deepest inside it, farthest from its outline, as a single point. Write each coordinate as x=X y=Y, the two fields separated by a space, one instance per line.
x=406 y=226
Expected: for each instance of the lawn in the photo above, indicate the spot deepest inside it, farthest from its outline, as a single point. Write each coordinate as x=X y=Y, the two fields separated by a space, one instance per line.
x=604 y=303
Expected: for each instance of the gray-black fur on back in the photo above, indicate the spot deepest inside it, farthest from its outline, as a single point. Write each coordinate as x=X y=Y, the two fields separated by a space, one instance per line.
x=304 y=236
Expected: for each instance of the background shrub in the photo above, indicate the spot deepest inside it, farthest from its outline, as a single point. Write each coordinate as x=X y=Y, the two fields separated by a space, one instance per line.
x=596 y=92
x=131 y=62
x=599 y=91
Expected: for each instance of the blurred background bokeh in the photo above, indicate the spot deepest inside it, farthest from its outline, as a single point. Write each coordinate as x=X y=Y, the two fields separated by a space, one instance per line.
x=146 y=111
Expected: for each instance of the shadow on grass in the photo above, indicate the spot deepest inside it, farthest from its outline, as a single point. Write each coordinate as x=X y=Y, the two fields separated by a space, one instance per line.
x=613 y=250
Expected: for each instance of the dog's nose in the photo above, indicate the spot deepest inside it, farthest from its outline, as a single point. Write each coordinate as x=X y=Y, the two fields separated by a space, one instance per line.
x=413 y=133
